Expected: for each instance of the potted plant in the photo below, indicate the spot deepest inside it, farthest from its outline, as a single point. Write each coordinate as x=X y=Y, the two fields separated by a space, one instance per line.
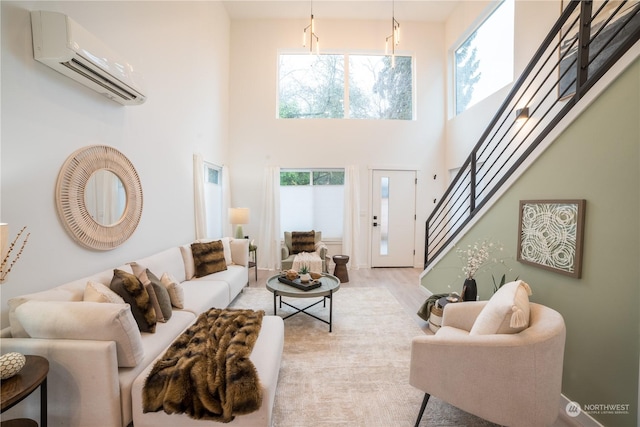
x=305 y=277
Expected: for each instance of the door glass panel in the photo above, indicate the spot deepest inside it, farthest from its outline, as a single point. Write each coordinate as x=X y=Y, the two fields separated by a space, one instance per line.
x=384 y=215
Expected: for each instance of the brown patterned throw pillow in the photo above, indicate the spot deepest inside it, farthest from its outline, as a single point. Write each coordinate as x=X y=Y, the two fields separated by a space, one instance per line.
x=303 y=241
x=131 y=289
x=208 y=258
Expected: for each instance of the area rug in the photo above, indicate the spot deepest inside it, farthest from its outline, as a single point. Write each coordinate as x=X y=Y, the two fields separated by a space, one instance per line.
x=357 y=375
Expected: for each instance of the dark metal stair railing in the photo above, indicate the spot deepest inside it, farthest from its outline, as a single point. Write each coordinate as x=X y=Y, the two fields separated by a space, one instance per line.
x=586 y=43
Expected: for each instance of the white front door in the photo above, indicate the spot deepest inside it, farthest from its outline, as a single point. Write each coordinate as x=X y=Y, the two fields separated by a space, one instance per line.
x=393 y=218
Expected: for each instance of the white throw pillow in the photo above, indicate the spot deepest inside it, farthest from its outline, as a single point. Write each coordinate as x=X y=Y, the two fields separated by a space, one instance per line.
x=139 y=271
x=226 y=246
x=85 y=321
x=189 y=263
x=97 y=292
x=507 y=312
x=176 y=292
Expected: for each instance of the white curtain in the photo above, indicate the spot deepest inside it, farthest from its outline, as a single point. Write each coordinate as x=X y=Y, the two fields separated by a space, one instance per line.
x=227 y=228
x=269 y=237
x=351 y=220
x=199 y=203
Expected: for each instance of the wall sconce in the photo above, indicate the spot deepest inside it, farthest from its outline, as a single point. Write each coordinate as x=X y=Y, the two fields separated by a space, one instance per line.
x=239 y=216
x=522 y=114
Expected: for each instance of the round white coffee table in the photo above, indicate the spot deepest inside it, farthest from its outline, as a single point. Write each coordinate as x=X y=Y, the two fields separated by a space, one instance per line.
x=329 y=285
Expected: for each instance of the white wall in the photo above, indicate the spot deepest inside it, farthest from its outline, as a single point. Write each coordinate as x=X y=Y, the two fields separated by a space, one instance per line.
x=258 y=139
x=182 y=50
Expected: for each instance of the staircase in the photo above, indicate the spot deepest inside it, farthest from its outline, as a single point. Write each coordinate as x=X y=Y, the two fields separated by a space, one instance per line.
x=581 y=47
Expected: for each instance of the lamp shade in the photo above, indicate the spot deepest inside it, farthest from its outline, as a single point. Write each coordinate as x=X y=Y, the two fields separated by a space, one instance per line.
x=239 y=215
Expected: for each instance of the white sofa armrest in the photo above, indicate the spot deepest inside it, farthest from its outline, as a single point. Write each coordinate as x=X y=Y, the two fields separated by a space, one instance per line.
x=82 y=384
x=240 y=251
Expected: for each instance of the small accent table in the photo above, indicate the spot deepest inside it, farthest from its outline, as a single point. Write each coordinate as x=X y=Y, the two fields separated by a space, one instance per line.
x=340 y=271
x=18 y=387
x=253 y=259
x=330 y=285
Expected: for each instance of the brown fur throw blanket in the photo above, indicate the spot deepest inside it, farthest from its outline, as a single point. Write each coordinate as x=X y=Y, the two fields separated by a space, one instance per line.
x=206 y=372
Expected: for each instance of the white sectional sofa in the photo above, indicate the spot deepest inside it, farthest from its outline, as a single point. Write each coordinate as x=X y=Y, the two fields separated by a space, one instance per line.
x=98 y=362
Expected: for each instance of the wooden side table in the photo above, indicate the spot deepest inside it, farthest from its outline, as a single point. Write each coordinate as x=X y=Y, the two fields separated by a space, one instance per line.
x=15 y=389
x=340 y=271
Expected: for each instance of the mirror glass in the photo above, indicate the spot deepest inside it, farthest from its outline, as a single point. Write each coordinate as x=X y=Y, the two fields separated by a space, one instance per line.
x=105 y=197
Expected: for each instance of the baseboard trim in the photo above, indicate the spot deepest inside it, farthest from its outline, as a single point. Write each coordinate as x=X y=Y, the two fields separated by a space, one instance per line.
x=581 y=420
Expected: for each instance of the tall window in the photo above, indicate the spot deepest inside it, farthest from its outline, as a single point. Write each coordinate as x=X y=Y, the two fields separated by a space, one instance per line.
x=213 y=199
x=378 y=91
x=345 y=86
x=312 y=199
x=484 y=61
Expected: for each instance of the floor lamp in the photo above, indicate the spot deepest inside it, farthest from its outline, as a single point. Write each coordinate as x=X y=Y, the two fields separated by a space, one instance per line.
x=238 y=217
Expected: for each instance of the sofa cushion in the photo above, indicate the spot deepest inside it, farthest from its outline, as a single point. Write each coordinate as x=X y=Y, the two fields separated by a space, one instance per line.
x=97 y=292
x=131 y=289
x=205 y=293
x=507 y=312
x=154 y=345
x=162 y=296
x=169 y=261
x=85 y=321
x=174 y=288
x=235 y=277
x=208 y=258
x=303 y=241
x=54 y=294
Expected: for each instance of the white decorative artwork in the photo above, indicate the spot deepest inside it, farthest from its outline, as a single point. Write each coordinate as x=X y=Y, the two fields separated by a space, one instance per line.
x=550 y=235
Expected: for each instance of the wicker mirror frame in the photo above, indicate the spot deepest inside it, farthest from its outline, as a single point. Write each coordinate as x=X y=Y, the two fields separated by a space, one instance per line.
x=70 y=197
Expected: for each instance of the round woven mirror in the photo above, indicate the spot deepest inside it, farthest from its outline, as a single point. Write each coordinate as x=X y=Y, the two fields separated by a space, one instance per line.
x=99 y=197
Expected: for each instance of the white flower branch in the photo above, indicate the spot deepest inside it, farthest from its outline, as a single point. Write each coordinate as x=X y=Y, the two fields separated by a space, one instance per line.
x=6 y=266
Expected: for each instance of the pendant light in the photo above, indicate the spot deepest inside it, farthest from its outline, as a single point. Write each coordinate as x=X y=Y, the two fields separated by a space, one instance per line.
x=312 y=35
x=394 y=37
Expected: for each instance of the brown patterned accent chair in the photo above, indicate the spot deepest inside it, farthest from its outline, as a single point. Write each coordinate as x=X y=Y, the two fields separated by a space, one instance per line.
x=298 y=241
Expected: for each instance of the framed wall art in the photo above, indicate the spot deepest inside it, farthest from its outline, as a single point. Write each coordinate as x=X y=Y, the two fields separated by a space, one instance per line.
x=550 y=235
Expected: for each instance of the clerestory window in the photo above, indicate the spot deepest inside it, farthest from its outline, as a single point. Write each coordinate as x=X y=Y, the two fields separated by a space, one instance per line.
x=345 y=86
x=483 y=63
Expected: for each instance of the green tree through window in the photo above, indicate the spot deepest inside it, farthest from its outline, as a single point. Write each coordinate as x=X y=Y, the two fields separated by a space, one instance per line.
x=467 y=74
x=313 y=86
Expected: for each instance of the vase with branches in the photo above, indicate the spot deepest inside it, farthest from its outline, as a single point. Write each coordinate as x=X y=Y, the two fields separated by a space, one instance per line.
x=7 y=262
x=474 y=258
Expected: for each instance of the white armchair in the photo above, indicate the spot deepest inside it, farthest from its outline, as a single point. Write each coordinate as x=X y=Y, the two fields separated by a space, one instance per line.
x=509 y=379
x=288 y=254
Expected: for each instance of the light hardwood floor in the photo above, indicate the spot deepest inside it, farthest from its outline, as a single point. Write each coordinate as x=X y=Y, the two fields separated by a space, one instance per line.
x=403 y=283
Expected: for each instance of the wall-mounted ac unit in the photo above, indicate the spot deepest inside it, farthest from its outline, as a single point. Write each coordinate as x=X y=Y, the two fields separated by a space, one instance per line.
x=65 y=46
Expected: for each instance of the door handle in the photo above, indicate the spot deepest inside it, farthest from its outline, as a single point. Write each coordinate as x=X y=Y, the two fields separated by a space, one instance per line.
x=375 y=224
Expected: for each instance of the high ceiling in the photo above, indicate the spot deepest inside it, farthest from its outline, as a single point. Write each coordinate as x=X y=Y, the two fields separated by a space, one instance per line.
x=407 y=10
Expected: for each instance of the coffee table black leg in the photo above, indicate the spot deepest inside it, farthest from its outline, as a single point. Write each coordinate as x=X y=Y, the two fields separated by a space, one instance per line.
x=275 y=298
x=330 y=310
x=43 y=403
